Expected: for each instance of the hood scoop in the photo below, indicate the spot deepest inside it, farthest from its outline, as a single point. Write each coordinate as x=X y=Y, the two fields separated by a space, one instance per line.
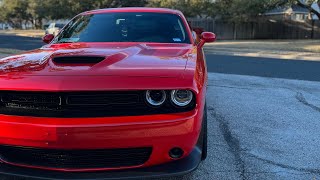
x=78 y=59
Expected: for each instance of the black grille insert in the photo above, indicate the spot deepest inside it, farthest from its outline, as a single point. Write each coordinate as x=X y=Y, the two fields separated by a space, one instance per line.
x=102 y=99
x=82 y=104
x=75 y=159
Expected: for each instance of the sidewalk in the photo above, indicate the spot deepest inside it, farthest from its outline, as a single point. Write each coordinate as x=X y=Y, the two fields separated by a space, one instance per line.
x=281 y=49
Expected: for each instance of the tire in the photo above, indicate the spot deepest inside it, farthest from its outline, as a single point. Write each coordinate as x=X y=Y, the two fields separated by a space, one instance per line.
x=204 y=153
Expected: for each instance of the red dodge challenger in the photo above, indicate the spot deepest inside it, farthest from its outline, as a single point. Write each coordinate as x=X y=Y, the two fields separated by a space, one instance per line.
x=117 y=94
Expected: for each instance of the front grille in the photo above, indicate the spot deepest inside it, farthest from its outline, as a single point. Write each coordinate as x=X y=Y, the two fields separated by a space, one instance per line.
x=75 y=159
x=103 y=99
x=81 y=104
x=30 y=100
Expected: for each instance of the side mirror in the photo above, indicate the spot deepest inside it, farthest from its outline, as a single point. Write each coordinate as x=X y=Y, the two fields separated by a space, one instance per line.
x=47 y=38
x=207 y=37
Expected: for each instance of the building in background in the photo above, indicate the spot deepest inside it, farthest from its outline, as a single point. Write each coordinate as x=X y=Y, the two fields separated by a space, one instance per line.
x=293 y=12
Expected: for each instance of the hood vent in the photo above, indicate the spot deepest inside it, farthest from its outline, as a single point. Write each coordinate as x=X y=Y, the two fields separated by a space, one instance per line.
x=78 y=59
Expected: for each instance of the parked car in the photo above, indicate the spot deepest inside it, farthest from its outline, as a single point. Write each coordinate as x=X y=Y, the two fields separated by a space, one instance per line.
x=54 y=28
x=119 y=93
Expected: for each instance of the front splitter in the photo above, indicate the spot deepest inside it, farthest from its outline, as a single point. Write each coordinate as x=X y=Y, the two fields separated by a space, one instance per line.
x=176 y=168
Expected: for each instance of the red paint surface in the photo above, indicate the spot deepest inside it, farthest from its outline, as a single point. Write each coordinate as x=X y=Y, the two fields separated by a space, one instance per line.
x=127 y=66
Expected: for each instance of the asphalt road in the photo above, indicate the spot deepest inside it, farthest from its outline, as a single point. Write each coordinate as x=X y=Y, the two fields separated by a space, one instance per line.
x=20 y=43
x=262 y=128
x=264 y=67
x=263 y=124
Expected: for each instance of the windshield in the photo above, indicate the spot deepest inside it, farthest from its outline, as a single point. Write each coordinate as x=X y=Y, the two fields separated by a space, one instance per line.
x=125 y=27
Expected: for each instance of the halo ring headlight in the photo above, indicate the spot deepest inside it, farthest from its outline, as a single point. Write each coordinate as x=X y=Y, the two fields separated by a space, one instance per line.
x=181 y=98
x=156 y=97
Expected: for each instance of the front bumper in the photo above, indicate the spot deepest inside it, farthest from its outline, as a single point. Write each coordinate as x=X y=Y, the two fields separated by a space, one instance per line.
x=161 y=132
x=175 y=168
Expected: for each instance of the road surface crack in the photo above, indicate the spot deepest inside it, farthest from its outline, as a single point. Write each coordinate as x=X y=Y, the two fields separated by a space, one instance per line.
x=303 y=170
x=302 y=99
x=233 y=142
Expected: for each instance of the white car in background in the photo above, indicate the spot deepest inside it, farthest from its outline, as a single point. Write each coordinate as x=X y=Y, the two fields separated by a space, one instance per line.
x=54 y=28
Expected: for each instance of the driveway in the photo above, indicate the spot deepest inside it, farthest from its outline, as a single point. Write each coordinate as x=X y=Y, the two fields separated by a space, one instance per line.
x=263 y=117
x=261 y=128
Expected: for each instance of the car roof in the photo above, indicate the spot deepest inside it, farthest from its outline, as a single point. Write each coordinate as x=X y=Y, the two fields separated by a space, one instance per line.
x=134 y=9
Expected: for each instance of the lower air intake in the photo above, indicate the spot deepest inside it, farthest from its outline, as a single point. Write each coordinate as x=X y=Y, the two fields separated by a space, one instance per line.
x=74 y=159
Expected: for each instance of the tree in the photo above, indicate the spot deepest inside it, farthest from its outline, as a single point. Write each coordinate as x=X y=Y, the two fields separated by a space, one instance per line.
x=15 y=12
x=191 y=8
x=230 y=10
x=64 y=9
x=38 y=10
x=119 y=3
x=245 y=10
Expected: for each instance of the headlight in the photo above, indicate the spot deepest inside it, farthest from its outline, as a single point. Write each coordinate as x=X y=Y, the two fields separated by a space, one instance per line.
x=181 y=98
x=156 y=97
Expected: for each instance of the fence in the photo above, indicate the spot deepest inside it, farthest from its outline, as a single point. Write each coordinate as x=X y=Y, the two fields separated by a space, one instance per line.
x=263 y=29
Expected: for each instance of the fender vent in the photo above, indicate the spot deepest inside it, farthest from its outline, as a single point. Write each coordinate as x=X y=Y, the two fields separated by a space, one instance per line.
x=78 y=59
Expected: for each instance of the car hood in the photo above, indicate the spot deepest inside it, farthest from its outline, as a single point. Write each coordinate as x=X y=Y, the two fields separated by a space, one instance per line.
x=108 y=59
